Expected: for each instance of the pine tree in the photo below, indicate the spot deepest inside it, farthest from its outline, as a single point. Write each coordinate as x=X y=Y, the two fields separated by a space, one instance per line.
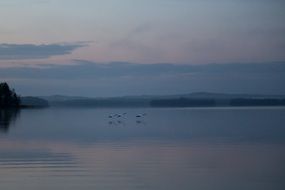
x=8 y=97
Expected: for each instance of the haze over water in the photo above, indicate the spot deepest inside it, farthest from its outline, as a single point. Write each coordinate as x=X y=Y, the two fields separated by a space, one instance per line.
x=133 y=50
x=197 y=148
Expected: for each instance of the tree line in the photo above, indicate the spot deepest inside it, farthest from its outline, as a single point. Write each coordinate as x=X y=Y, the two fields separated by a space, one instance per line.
x=189 y=102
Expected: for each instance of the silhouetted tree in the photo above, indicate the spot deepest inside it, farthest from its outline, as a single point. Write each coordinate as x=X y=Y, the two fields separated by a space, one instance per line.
x=8 y=97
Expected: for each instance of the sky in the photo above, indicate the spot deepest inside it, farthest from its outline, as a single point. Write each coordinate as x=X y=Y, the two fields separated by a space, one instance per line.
x=64 y=39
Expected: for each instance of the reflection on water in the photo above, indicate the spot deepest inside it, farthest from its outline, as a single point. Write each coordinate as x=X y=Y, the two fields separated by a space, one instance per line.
x=124 y=119
x=201 y=149
x=116 y=123
x=141 y=122
x=32 y=159
x=123 y=123
x=141 y=165
x=7 y=117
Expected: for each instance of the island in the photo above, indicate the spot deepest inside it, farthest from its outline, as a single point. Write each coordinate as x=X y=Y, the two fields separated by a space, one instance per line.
x=9 y=99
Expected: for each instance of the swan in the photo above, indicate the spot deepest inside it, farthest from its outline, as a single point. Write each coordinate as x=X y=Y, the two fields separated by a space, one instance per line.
x=141 y=115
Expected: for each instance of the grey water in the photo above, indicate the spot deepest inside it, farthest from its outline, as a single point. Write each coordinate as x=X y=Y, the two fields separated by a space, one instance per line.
x=189 y=148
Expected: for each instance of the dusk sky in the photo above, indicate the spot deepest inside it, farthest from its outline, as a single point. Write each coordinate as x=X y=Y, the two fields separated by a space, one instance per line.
x=132 y=47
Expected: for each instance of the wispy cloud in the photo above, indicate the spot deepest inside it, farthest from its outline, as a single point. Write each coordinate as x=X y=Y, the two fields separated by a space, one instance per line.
x=21 y=3
x=32 y=51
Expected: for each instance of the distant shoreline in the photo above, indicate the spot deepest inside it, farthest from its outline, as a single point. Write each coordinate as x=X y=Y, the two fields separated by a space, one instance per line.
x=168 y=101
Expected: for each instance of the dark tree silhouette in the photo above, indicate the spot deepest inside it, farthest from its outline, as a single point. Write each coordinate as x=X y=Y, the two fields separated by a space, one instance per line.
x=257 y=102
x=8 y=97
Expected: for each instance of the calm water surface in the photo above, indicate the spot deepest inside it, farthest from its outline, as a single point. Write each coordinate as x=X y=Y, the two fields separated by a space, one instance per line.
x=199 y=149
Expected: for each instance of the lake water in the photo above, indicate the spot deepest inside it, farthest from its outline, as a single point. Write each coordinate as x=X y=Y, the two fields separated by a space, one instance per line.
x=198 y=148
